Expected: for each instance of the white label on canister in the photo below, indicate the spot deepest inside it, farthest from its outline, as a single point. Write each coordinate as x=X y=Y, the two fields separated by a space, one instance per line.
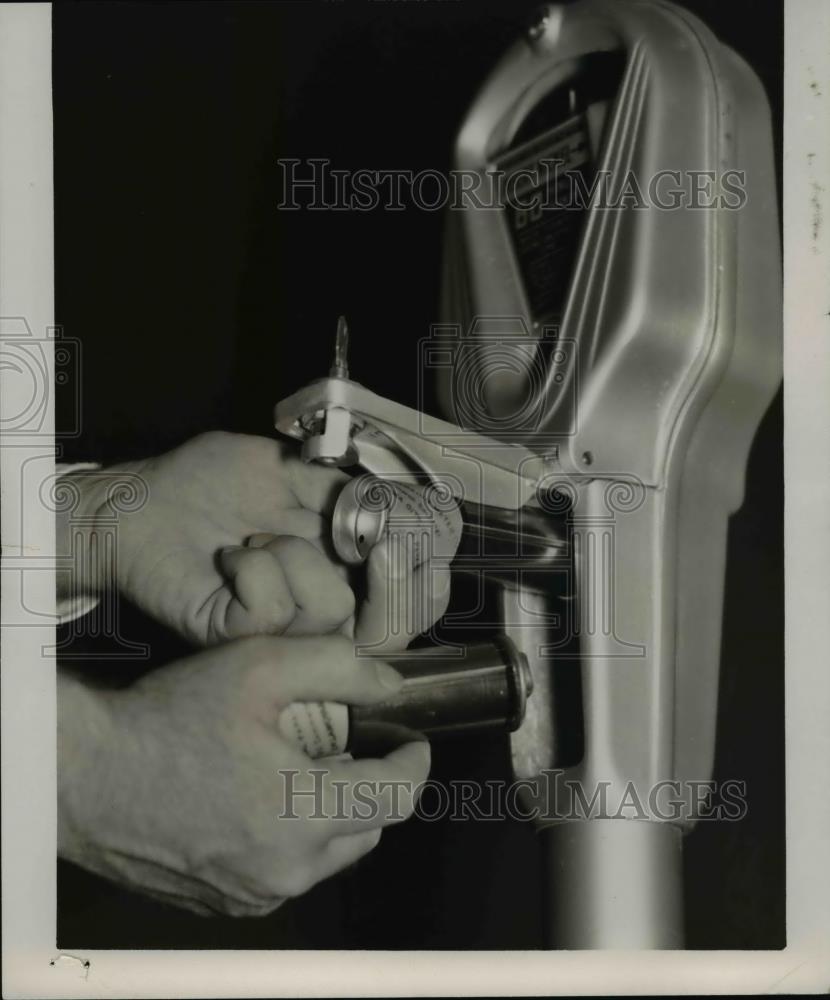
x=424 y=517
x=318 y=728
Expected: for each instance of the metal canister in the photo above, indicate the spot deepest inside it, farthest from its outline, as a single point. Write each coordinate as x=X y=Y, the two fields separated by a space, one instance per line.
x=482 y=541
x=423 y=514
x=445 y=692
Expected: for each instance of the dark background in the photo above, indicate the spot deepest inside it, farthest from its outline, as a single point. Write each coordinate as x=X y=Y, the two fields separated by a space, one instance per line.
x=198 y=305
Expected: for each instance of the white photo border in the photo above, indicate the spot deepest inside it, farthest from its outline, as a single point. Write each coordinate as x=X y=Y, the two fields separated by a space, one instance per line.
x=32 y=966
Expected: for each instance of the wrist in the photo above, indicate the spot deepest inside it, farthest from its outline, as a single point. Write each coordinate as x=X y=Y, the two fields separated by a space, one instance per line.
x=85 y=741
x=88 y=529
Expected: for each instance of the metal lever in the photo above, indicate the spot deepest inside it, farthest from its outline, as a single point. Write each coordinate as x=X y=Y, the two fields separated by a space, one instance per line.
x=343 y=424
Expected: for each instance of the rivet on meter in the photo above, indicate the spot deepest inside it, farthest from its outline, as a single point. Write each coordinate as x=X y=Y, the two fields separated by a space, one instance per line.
x=545 y=25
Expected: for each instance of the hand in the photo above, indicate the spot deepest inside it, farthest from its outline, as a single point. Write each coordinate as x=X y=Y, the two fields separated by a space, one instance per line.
x=183 y=558
x=175 y=786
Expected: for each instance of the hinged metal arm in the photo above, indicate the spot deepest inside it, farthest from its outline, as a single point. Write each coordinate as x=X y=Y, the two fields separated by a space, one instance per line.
x=342 y=423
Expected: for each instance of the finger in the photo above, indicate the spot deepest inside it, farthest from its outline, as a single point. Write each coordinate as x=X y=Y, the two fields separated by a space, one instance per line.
x=384 y=620
x=322 y=598
x=408 y=763
x=372 y=794
x=288 y=521
x=434 y=580
x=260 y=539
x=261 y=599
x=316 y=487
x=322 y=668
x=401 y=602
x=319 y=539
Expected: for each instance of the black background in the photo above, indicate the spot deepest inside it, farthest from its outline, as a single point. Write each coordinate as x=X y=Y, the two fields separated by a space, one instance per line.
x=198 y=305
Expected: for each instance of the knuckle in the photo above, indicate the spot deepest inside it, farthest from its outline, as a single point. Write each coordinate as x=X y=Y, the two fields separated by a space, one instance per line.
x=258 y=559
x=256 y=449
x=288 y=544
x=260 y=540
x=280 y=614
x=214 y=439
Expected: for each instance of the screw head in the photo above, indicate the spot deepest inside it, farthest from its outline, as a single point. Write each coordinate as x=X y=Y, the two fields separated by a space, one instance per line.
x=536 y=28
x=544 y=23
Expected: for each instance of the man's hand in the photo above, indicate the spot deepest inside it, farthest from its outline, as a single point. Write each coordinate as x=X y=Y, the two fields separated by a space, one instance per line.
x=177 y=786
x=184 y=557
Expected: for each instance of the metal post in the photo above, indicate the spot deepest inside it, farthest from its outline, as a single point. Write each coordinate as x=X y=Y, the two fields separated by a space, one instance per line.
x=613 y=883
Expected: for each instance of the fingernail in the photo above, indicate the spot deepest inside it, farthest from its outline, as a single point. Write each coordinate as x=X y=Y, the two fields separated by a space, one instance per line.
x=260 y=540
x=388 y=676
x=230 y=548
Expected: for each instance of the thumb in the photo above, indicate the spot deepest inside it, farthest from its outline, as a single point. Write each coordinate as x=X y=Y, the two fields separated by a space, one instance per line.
x=386 y=620
x=325 y=668
x=402 y=600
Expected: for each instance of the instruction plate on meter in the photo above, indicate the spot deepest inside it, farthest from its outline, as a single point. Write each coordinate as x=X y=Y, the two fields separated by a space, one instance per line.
x=546 y=233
